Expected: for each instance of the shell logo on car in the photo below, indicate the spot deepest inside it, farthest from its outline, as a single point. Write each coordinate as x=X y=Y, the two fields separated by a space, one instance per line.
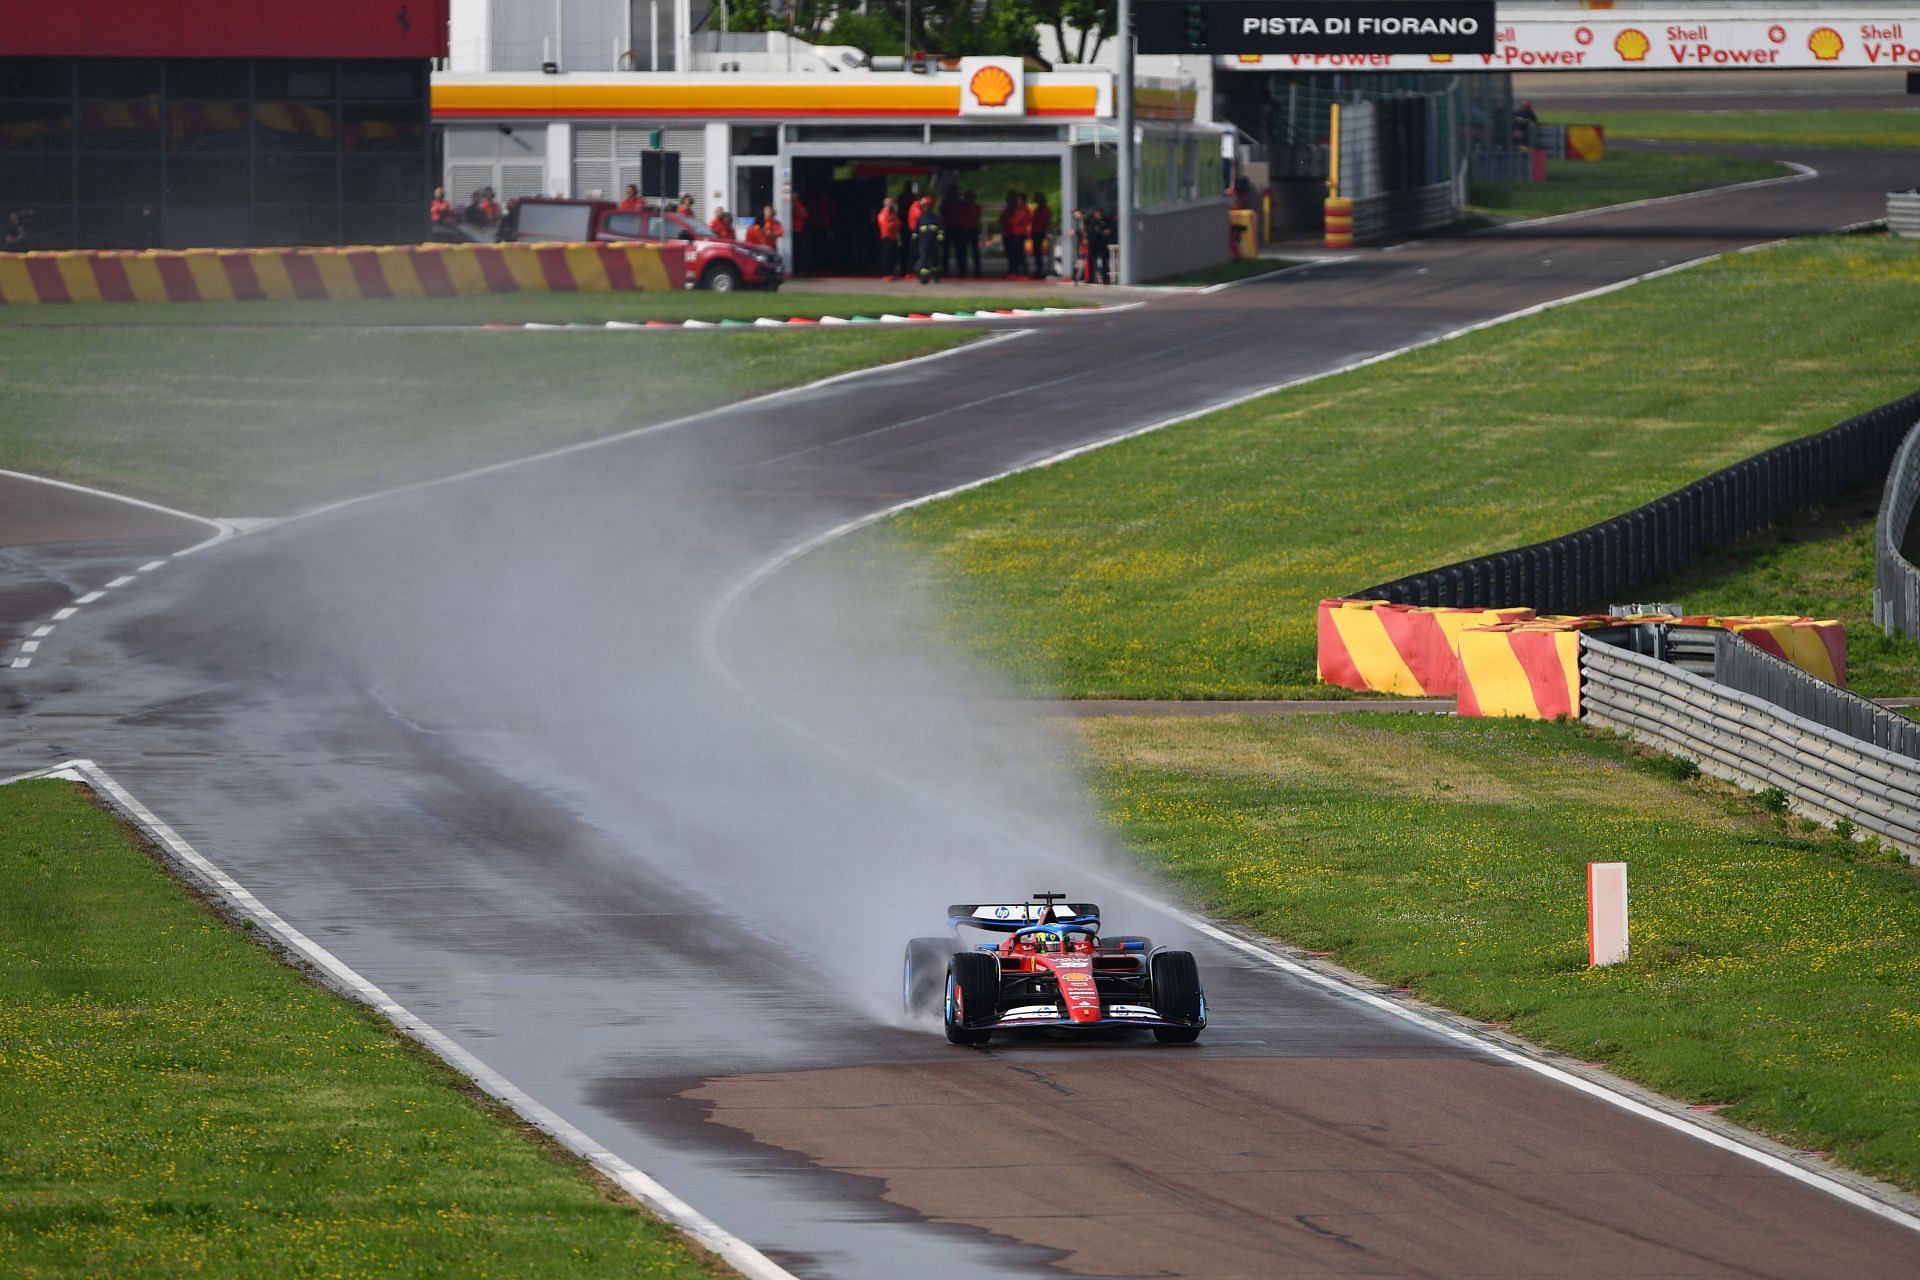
x=1825 y=44
x=992 y=87
x=1632 y=45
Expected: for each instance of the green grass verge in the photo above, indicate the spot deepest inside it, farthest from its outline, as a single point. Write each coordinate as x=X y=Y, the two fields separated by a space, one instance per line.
x=1621 y=177
x=1233 y=269
x=1898 y=128
x=258 y=421
x=1820 y=565
x=1186 y=563
x=519 y=308
x=178 y=1102
x=1772 y=964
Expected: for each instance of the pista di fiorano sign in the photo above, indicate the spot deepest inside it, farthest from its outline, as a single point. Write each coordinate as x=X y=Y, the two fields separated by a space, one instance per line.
x=1231 y=27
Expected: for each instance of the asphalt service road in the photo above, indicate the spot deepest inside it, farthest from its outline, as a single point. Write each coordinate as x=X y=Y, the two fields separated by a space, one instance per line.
x=570 y=759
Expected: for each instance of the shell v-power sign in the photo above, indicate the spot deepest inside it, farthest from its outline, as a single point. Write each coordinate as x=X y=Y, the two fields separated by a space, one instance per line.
x=1233 y=27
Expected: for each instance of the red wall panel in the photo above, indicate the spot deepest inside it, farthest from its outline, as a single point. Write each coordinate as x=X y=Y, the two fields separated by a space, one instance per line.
x=224 y=28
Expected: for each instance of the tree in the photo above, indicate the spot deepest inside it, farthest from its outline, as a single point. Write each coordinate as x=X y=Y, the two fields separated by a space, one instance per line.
x=1092 y=23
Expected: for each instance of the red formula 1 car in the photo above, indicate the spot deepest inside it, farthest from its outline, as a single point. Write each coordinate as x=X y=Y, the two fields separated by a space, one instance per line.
x=1054 y=970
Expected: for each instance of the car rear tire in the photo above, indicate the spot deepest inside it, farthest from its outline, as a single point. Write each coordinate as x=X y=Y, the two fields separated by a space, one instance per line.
x=721 y=278
x=923 y=977
x=1177 y=996
x=972 y=997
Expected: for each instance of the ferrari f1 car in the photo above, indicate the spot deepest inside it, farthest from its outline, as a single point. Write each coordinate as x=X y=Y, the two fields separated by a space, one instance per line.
x=1052 y=969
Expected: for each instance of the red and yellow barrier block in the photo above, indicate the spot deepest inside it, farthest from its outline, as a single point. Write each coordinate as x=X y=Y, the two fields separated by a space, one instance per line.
x=386 y=271
x=1586 y=142
x=1373 y=646
x=1529 y=669
x=1817 y=647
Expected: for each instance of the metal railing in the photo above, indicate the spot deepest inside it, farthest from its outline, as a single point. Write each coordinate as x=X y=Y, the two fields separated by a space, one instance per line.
x=1740 y=665
x=1896 y=582
x=1609 y=560
x=1752 y=743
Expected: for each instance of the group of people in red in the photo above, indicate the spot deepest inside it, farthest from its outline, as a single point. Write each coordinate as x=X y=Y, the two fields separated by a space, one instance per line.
x=482 y=210
x=934 y=239
x=766 y=232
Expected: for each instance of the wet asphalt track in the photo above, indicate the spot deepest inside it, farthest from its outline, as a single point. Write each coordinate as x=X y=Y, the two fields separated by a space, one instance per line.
x=395 y=725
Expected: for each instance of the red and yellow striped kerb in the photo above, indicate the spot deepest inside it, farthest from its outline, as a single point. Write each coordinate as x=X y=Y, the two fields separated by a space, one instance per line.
x=395 y=271
x=1373 y=646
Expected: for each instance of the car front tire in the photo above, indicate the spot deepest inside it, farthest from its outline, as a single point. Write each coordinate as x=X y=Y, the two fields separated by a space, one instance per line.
x=1177 y=996
x=973 y=996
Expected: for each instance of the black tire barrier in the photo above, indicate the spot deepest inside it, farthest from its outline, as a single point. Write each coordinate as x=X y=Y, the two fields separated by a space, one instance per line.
x=1586 y=569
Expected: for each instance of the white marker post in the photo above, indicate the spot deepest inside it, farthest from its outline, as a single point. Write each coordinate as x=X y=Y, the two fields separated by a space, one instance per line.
x=1606 y=913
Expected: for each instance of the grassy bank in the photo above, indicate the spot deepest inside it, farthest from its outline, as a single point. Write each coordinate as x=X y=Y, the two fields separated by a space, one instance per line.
x=177 y=1102
x=1820 y=565
x=1186 y=563
x=1772 y=965
x=1621 y=177
x=518 y=308
x=258 y=421
x=1899 y=128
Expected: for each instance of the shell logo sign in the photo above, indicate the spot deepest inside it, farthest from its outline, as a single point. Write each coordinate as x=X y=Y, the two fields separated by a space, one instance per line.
x=992 y=87
x=1642 y=43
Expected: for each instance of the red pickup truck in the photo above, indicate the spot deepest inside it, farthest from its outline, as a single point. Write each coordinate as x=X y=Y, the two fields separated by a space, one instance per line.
x=711 y=263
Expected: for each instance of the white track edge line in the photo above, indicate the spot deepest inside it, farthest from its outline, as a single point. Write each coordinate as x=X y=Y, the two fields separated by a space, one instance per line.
x=220 y=525
x=748 y=1260
x=582 y=446
x=1801 y=173
x=713 y=644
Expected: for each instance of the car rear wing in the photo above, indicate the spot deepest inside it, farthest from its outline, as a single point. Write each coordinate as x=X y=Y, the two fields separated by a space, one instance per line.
x=1005 y=917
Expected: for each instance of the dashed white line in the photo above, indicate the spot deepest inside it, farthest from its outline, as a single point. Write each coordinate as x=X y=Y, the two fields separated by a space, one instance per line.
x=150 y=566
x=29 y=646
x=90 y=597
x=41 y=633
x=61 y=615
x=22 y=662
x=120 y=581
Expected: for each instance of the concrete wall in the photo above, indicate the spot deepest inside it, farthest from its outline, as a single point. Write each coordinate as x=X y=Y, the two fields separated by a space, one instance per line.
x=1180 y=238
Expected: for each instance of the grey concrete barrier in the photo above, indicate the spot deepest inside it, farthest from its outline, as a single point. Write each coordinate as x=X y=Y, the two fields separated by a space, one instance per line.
x=1752 y=743
x=1903 y=213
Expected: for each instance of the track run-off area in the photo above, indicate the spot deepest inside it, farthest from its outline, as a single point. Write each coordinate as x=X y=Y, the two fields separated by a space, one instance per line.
x=555 y=757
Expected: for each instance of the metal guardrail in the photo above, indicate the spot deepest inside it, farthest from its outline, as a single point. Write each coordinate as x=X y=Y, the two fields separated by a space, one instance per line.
x=1903 y=214
x=1609 y=560
x=1896 y=582
x=1752 y=743
x=1737 y=664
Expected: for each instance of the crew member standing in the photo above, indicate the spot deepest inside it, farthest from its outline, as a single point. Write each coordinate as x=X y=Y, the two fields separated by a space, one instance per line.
x=964 y=227
x=888 y=224
x=631 y=202
x=1040 y=225
x=928 y=240
x=1015 y=223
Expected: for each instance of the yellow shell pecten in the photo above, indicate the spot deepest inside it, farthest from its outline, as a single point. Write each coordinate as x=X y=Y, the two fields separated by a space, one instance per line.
x=1632 y=45
x=1825 y=44
x=991 y=86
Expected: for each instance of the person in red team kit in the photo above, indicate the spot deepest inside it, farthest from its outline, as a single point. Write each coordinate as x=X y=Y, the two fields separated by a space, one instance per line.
x=887 y=222
x=1039 y=227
